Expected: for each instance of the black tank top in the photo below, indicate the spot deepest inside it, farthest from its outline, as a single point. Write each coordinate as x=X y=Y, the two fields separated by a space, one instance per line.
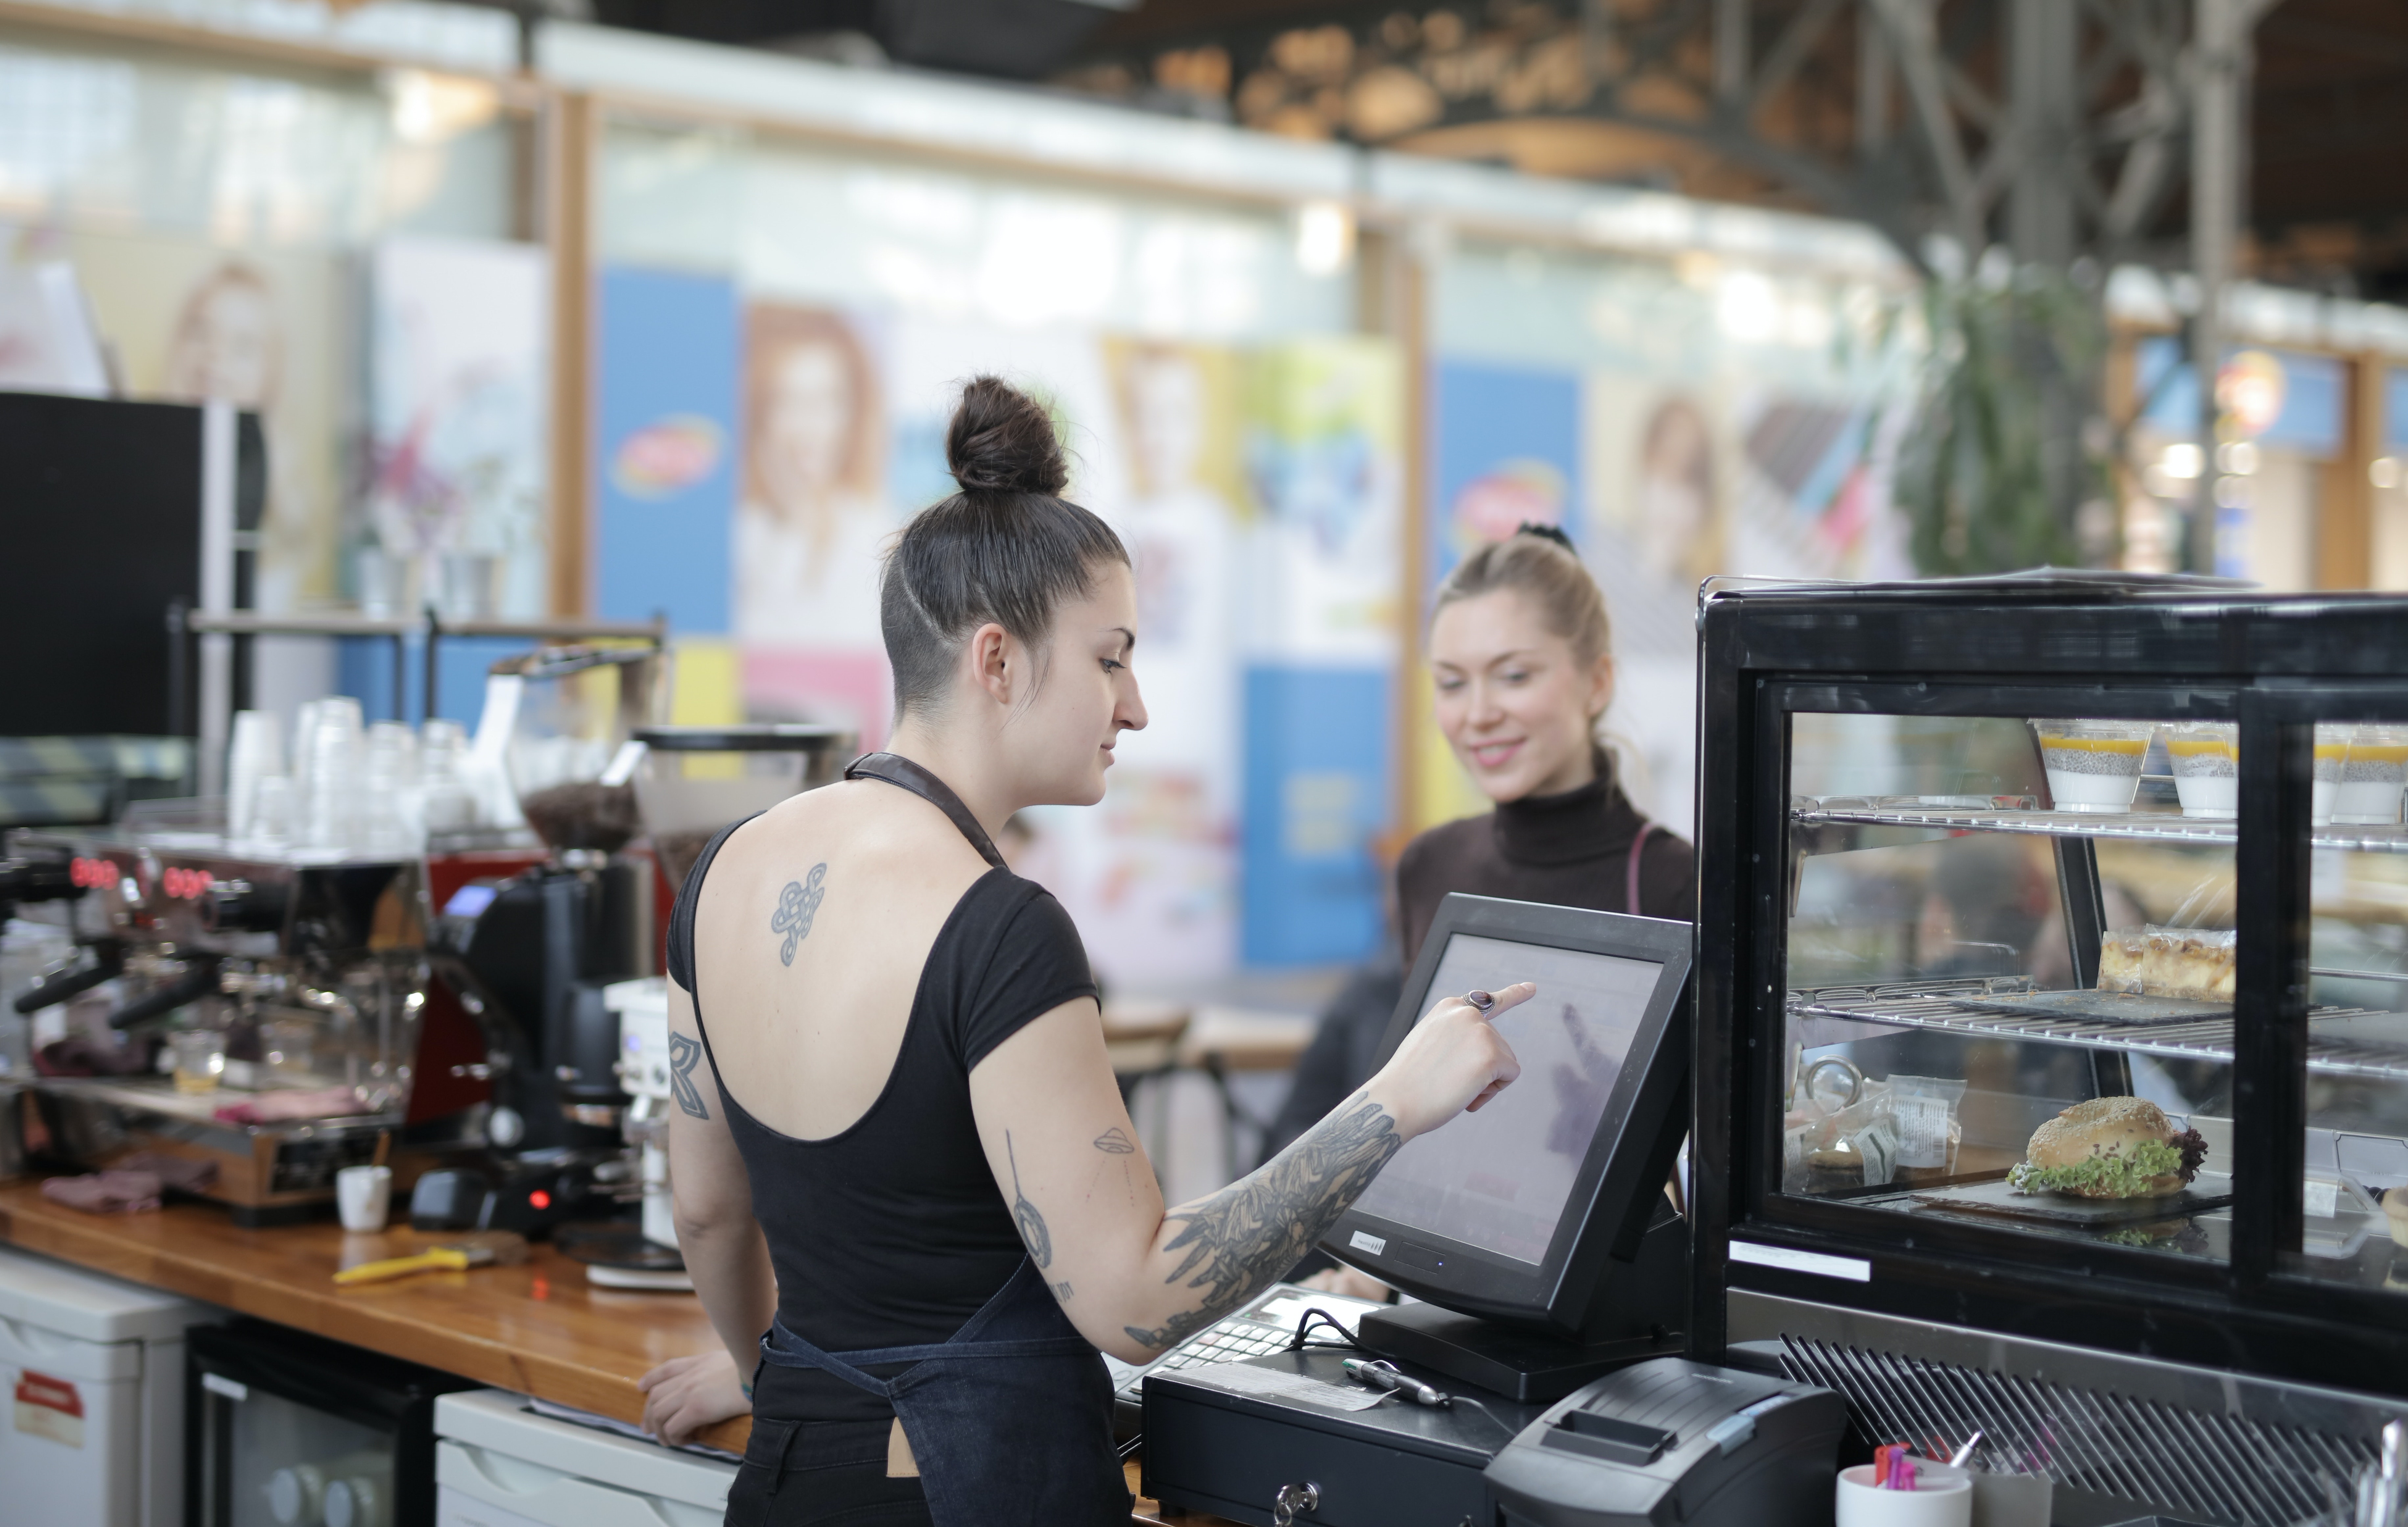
x=891 y=1233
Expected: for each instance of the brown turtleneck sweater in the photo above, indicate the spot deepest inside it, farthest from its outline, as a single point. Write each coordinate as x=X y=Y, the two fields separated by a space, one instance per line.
x=1571 y=849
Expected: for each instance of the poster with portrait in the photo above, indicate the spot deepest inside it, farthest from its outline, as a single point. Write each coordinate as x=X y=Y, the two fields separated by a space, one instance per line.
x=261 y=329
x=1653 y=472
x=813 y=512
x=457 y=452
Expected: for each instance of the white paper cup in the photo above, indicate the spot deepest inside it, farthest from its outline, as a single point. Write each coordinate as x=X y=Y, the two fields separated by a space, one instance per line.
x=2011 y=1500
x=363 y=1194
x=1941 y=1497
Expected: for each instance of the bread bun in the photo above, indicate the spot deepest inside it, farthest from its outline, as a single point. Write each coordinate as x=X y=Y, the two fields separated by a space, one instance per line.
x=2104 y=1127
x=1002 y=441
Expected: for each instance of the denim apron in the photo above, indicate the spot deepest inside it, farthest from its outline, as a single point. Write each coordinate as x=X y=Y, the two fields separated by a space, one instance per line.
x=1011 y=1418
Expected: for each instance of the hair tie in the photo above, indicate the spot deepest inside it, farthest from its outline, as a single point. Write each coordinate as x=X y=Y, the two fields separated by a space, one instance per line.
x=1547 y=533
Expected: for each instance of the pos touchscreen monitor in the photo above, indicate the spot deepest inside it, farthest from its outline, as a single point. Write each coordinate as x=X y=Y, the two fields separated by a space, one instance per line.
x=1520 y=1213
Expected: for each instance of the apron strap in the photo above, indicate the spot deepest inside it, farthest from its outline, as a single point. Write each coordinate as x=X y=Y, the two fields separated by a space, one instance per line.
x=903 y=774
x=785 y=1350
x=1631 y=882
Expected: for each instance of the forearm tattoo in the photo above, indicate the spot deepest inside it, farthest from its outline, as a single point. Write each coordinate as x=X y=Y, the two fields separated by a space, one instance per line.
x=684 y=1055
x=1025 y=1216
x=1245 y=1237
x=796 y=905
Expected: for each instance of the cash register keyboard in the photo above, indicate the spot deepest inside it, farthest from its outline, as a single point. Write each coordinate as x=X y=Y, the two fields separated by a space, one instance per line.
x=1266 y=1325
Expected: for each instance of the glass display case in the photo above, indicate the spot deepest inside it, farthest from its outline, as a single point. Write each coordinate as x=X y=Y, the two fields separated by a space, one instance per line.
x=2053 y=969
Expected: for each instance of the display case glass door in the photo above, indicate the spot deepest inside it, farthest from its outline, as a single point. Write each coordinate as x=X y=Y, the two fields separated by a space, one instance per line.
x=2009 y=961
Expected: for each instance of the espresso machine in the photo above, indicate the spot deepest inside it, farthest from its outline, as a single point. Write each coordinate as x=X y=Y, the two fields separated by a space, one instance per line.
x=529 y=955
x=300 y=975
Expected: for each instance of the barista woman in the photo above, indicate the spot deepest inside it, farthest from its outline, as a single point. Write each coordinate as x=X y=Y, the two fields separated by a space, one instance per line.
x=899 y=1148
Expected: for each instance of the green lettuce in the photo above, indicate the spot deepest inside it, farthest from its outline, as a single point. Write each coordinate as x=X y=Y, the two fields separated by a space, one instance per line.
x=2101 y=1177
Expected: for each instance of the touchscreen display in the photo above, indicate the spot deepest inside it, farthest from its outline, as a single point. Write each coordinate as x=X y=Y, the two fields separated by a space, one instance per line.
x=1498 y=1179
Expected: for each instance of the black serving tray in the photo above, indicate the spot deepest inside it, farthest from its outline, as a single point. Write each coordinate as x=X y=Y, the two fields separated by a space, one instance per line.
x=1996 y=1198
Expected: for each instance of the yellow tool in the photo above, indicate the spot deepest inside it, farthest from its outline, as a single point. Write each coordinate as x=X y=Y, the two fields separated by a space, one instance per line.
x=490 y=1249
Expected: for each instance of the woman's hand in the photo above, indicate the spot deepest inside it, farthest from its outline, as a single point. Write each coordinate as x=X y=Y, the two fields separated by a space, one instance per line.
x=685 y=1395
x=1451 y=1060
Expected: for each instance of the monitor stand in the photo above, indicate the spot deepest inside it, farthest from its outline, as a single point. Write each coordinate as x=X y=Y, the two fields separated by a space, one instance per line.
x=1640 y=1314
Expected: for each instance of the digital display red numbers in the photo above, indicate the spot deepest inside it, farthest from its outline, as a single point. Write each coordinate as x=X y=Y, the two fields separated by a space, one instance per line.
x=92 y=874
x=185 y=884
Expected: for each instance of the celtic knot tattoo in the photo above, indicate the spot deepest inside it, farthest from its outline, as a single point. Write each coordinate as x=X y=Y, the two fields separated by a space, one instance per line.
x=796 y=905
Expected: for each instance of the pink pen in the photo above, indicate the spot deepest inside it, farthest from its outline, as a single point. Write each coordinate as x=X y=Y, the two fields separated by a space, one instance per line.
x=1901 y=1473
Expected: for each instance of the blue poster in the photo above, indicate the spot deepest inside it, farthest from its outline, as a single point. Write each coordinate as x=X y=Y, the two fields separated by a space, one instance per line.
x=1506 y=451
x=665 y=443
x=1316 y=795
x=2304 y=397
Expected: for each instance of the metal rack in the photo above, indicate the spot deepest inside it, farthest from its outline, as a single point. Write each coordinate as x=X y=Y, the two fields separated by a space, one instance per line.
x=430 y=627
x=1942 y=1005
x=1951 y=815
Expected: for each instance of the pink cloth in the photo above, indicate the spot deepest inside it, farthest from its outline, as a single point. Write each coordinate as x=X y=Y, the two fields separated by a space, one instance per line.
x=132 y=1186
x=277 y=1107
x=106 y=1193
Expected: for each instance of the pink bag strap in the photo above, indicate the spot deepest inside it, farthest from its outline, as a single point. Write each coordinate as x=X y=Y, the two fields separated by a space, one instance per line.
x=1631 y=883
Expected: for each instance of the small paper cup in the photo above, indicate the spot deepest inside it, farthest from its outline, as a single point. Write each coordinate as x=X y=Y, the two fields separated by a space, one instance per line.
x=1941 y=1497
x=363 y=1196
x=2011 y=1500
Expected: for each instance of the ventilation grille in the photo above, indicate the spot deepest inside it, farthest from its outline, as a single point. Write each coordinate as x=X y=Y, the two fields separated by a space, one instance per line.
x=2218 y=1468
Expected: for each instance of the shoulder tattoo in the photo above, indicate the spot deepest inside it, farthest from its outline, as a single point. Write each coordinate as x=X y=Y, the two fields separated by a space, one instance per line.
x=796 y=905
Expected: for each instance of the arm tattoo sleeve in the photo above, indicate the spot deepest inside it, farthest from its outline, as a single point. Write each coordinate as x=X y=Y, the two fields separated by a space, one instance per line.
x=1248 y=1234
x=1024 y=1214
x=796 y=905
x=684 y=1055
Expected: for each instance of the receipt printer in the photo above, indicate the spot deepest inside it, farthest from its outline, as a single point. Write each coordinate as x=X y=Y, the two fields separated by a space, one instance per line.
x=1669 y=1441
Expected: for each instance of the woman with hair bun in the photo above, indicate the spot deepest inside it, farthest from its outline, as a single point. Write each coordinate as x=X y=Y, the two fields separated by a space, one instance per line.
x=899 y=1148
x=1520 y=655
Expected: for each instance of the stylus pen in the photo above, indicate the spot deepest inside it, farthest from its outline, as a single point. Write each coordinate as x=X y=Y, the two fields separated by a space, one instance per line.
x=1382 y=1375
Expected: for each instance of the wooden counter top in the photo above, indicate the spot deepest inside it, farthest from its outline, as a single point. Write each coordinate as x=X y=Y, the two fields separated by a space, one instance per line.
x=538 y=1329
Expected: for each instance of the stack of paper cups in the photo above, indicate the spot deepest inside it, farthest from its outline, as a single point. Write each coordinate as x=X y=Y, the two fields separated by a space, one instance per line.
x=330 y=794
x=255 y=752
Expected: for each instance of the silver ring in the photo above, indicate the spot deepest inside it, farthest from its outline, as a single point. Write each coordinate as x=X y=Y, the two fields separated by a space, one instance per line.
x=1481 y=1000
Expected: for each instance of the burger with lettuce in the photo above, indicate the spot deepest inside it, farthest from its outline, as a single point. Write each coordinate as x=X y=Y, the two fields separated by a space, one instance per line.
x=2110 y=1147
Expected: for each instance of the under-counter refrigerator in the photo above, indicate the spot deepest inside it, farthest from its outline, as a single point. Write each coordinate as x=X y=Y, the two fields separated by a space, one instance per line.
x=95 y=1376
x=284 y=1429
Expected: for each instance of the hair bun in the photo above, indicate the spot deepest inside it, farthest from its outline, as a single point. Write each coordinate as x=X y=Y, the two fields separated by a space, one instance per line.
x=1002 y=441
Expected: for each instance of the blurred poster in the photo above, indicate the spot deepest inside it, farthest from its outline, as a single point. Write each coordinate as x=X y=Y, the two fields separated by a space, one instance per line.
x=1317 y=792
x=261 y=329
x=1160 y=865
x=456 y=421
x=47 y=342
x=812 y=508
x=1507 y=446
x=665 y=494
x=1323 y=445
x=1813 y=482
x=1653 y=475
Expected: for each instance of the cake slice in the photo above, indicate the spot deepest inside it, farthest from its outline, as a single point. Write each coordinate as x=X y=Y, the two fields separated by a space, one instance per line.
x=2151 y=961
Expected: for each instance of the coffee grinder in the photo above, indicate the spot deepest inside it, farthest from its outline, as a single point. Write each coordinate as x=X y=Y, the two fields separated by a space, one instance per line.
x=530 y=955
